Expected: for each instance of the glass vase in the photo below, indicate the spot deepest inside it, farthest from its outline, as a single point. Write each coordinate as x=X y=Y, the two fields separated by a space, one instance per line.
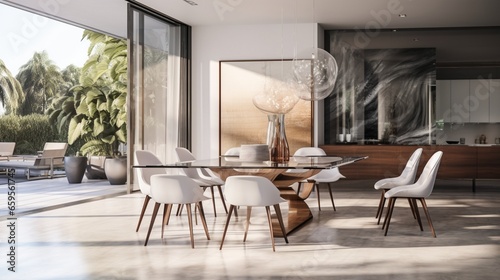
x=279 y=151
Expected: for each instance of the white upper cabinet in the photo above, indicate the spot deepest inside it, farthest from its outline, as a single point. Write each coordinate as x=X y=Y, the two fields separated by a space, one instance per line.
x=479 y=99
x=495 y=100
x=443 y=101
x=460 y=101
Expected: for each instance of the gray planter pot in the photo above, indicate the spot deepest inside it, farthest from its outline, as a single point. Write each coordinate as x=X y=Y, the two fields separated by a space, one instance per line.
x=95 y=168
x=116 y=170
x=74 y=167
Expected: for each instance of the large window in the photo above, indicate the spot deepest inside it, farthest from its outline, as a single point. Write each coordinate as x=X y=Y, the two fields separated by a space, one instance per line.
x=159 y=83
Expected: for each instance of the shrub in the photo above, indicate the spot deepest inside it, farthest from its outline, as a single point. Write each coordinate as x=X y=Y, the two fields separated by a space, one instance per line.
x=29 y=132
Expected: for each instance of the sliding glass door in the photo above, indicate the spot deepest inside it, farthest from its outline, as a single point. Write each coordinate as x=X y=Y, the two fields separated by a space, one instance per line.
x=159 y=85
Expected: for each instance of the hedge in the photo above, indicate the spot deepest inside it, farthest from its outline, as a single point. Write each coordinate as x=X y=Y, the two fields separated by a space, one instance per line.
x=29 y=132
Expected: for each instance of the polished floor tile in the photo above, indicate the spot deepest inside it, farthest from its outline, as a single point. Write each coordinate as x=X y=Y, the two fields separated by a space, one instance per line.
x=97 y=240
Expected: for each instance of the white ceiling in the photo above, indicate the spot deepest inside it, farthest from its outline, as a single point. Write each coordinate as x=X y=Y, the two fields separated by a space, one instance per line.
x=110 y=16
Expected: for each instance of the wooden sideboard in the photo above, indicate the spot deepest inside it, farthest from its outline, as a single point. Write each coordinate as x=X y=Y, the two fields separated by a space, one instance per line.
x=458 y=162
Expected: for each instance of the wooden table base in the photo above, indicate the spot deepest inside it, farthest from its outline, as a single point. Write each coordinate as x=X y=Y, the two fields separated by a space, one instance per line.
x=298 y=211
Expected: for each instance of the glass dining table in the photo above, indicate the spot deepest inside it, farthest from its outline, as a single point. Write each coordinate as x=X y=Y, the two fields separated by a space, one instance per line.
x=282 y=175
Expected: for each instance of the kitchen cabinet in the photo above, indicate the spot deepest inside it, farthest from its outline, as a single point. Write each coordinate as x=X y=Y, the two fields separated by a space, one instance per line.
x=459 y=105
x=468 y=101
x=479 y=98
x=494 y=100
x=443 y=100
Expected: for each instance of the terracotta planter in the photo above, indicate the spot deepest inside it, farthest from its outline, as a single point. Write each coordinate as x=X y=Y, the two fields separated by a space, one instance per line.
x=74 y=167
x=116 y=170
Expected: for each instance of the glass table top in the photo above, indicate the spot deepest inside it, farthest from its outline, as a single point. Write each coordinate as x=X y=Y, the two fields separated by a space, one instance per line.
x=321 y=162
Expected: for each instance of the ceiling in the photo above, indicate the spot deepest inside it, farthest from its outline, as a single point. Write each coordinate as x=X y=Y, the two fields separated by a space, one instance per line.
x=109 y=16
x=471 y=44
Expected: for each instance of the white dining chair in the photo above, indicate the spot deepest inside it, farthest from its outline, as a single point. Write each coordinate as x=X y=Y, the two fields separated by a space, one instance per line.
x=144 y=177
x=420 y=190
x=325 y=176
x=205 y=178
x=253 y=191
x=407 y=177
x=176 y=189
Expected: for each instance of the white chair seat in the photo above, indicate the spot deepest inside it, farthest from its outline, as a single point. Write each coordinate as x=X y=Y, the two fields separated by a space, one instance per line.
x=419 y=190
x=407 y=177
x=325 y=176
x=144 y=177
x=176 y=189
x=252 y=191
x=205 y=178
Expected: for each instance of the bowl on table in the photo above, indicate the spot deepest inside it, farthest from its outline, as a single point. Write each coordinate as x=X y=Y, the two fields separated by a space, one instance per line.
x=452 y=142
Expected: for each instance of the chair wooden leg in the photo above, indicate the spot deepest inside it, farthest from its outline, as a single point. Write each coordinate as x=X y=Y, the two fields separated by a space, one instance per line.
x=179 y=209
x=277 y=209
x=268 y=210
x=222 y=198
x=426 y=210
x=381 y=205
x=317 y=194
x=413 y=202
x=247 y=225
x=412 y=207
x=213 y=200
x=331 y=196
x=165 y=211
x=153 y=217
x=144 y=206
x=169 y=211
x=392 y=202
x=298 y=188
x=190 y=221
x=202 y=218
x=231 y=207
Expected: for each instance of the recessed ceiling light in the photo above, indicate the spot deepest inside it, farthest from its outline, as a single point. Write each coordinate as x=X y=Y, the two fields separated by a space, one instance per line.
x=402 y=15
x=415 y=40
x=190 y=2
x=394 y=30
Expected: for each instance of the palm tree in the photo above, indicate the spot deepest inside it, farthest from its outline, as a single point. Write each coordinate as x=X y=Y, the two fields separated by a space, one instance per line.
x=62 y=108
x=40 y=79
x=11 y=92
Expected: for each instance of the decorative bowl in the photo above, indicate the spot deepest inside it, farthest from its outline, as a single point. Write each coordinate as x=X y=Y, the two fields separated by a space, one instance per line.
x=452 y=142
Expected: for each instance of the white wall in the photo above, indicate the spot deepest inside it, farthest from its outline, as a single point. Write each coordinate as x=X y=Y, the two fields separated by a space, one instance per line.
x=239 y=42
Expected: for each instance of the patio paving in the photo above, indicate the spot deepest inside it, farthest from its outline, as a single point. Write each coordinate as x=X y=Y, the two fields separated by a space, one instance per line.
x=47 y=194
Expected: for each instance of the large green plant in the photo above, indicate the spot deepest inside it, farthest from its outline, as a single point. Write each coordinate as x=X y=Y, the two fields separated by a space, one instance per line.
x=100 y=98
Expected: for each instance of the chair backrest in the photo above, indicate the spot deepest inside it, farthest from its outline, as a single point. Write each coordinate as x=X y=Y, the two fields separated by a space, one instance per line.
x=248 y=190
x=175 y=189
x=7 y=148
x=330 y=175
x=235 y=151
x=425 y=183
x=144 y=174
x=309 y=151
x=55 y=150
x=410 y=172
x=184 y=154
x=428 y=177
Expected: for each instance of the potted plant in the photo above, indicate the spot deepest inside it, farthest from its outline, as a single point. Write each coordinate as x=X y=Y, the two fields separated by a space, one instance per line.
x=74 y=167
x=100 y=102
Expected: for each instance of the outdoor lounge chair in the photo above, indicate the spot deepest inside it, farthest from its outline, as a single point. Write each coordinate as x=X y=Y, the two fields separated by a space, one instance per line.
x=52 y=157
x=6 y=150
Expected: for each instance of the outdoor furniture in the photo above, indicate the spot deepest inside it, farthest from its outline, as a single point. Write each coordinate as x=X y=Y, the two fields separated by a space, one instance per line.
x=6 y=150
x=51 y=158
